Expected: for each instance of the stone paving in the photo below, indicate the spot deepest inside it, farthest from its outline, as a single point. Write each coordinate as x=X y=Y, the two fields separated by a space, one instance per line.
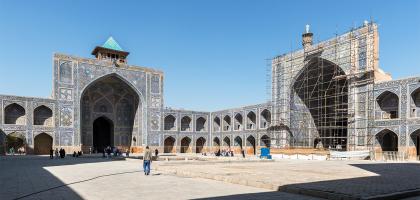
x=327 y=179
x=32 y=177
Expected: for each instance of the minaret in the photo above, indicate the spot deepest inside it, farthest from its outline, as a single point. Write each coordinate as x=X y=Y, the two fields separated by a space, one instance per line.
x=307 y=38
x=110 y=50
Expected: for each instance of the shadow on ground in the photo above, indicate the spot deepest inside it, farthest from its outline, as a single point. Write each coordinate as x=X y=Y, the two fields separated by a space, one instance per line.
x=18 y=181
x=393 y=181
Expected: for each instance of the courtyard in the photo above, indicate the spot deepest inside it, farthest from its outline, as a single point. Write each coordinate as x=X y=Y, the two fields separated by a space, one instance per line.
x=195 y=177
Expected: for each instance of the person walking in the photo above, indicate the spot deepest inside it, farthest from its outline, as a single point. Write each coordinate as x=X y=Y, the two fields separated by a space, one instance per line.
x=56 y=153
x=147 y=160
x=156 y=153
x=51 y=153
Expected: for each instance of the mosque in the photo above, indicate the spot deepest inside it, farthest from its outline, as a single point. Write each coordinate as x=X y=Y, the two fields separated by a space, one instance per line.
x=328 y=95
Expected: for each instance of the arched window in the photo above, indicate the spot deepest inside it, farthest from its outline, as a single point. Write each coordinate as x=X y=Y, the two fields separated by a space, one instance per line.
x=186 y=123
x=251 y=120
x=226 y=123
x=169 y=123
x=238 y=122
x=265 y=119
x=388 y=140
x=43 y=116
x=14 y=114
x=415 y=103
x=201 y=124
x=216 y=124
x=387 y=105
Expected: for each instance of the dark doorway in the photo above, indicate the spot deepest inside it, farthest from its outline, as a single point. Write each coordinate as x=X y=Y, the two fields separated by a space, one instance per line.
x=169 y=144
x=103 y=133
x=43 y=144
x=418 y=145
x=388 y=140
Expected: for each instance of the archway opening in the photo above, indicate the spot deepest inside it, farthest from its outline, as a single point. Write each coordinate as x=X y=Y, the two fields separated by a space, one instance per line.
x=168 y=146
x=265 y=141
x=216 y=124
x=15 y=142
x=200 y=145
x=185 y=145
x=112 y=97
x=265 y=118
x=216 y=143
x=238 y=122
x=103 y=133
x=320 y=95
x=415 y=137
x=201 y=124
x=43 y=143
x=388 y=140
x=169 y=123
x=14 y=114
x=226 y=123
x=43 y=116
x=387 y=105
x=251 y=120
x=415 y=103
x=186 y=123
x=226 y=142
x=251 y=144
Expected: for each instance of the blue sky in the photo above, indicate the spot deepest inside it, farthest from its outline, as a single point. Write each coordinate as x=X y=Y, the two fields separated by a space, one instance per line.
x=212 y=52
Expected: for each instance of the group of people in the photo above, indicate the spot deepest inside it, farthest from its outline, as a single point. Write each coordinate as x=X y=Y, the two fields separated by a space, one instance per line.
x=225 y=153
x=114 y=151
x=58 y=153
x=78 y=154
x=20 y=151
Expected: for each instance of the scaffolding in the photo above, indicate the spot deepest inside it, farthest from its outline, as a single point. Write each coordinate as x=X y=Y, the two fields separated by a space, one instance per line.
x=322 y=95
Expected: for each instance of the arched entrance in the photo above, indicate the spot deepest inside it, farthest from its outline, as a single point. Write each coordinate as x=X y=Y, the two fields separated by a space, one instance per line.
x=15 y=142
x=103 y=133
x=415 y=136
x=250 y=143
x=226 y=142
x=113 y=97
x=388 y=140
x=238 y=145
x=200 y=145
x=168 y=146
x=320 y=94
x=185 y=145
x=43 y=144
x=216 y=144
x=265 y=141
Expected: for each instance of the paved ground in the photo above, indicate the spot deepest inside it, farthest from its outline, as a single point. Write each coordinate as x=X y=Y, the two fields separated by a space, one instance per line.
x=96 y=178
x=332 y=179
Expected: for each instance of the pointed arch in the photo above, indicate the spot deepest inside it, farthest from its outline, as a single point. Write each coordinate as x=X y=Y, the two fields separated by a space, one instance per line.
x=226 y=142
x=168 y=145
x=265 y=141
x=250 y=143
x=186 y=145
x=388 y=140
x=251 y=120
x=226 y=123
x=265 y=118
x=201 y=124
x=387 y=105
x=415 y=137
x=238 y=122
x=199 y=145
x=186 y=123
x=216 y=124
x=14 y=114
x=169 y=123
x=415 y=103
x=43 y=116
x=43 y=143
